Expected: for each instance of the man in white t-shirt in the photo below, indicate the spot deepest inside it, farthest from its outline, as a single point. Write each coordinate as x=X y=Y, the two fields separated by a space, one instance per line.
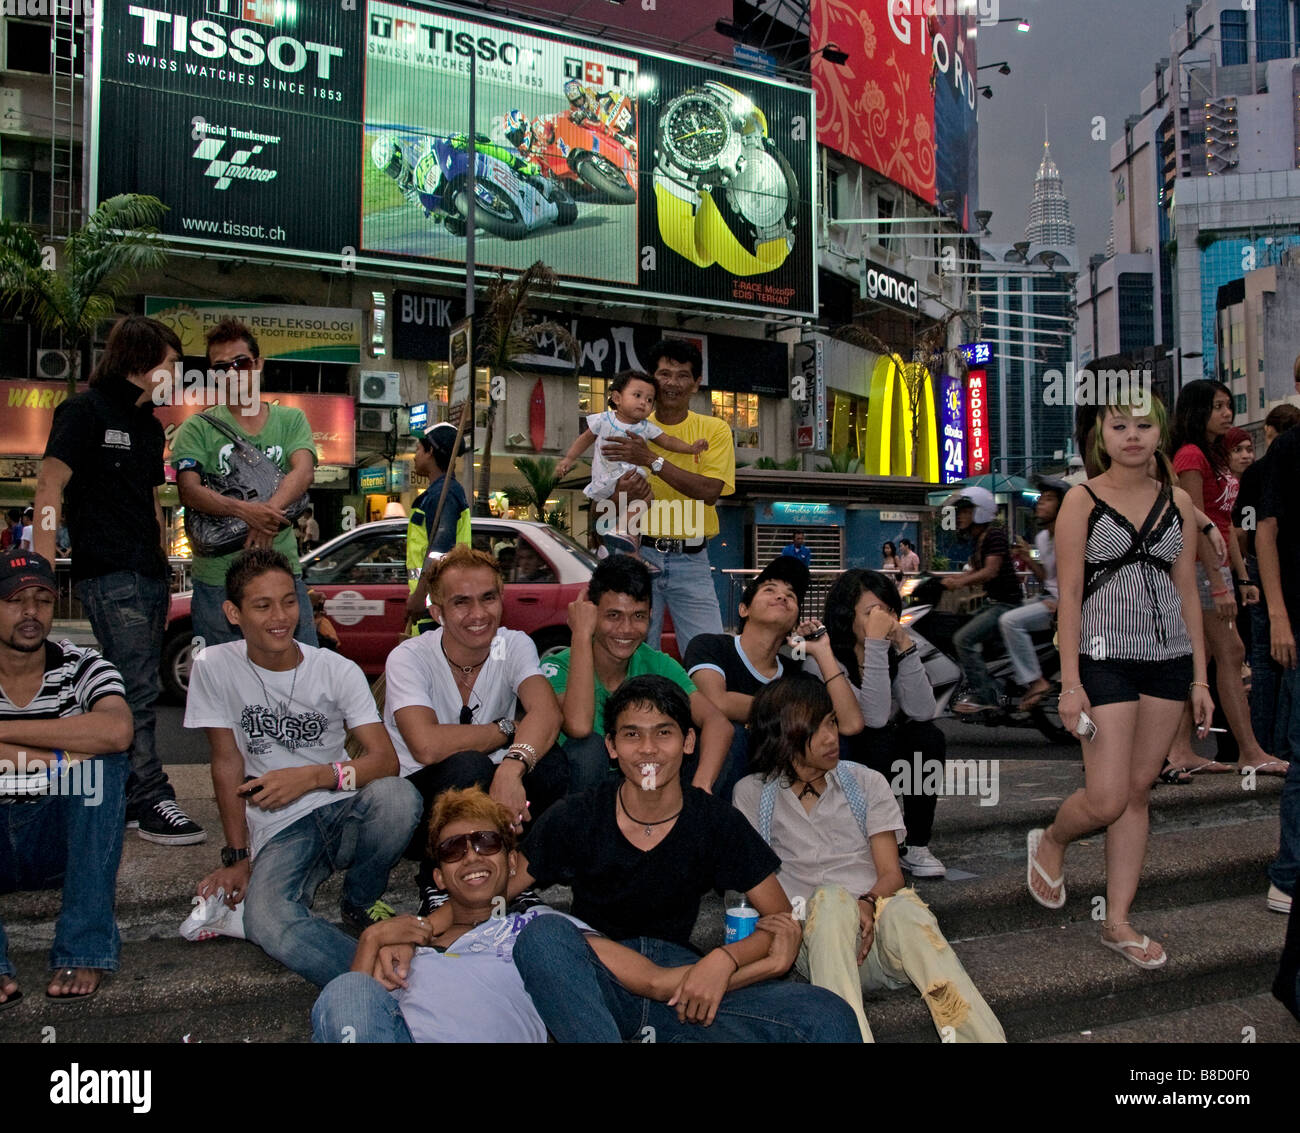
x=1017 y=625
x=293 y=807
x=452 y=698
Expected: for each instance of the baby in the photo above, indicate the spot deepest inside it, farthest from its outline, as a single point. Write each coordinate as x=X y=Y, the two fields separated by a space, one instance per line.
x=631 y=400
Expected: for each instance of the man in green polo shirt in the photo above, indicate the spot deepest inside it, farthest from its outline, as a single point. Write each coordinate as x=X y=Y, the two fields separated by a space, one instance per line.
x=280 y=432
x=609 y=627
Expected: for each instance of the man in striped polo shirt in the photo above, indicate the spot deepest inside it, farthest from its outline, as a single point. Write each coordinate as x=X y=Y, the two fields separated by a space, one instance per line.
x=65 y=728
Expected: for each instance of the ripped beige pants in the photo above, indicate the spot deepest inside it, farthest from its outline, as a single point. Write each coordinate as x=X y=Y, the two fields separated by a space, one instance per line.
x=908 y=949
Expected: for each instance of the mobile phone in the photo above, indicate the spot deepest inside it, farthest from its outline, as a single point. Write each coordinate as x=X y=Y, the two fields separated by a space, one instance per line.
x=252 y=790
x=1087 y=730
x=816 y=634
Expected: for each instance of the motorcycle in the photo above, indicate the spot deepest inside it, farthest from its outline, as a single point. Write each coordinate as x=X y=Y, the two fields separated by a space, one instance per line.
x=584 y=152
x=932 y=629
x=511 y=197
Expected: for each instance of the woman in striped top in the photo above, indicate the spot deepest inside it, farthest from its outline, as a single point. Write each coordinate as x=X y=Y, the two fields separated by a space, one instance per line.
x=1131 y=651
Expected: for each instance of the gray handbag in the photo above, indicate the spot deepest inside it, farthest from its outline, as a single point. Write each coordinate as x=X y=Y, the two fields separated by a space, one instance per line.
x=254 y=478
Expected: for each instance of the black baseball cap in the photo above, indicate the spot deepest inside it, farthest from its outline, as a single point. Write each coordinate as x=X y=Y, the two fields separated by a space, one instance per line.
x=783 y=568
x=20 y=569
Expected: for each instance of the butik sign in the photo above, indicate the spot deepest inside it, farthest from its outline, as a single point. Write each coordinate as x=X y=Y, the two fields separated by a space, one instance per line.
x=977 y=422
x=889 y=287
x=340 y=134
x=952 y=429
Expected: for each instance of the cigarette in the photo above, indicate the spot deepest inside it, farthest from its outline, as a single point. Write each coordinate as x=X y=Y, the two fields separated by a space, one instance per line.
x=1221 y=731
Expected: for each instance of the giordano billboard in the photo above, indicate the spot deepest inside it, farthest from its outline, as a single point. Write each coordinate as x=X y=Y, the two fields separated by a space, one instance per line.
x=341 y=134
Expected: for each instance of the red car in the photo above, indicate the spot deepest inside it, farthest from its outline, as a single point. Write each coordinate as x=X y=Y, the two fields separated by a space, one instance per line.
x=362 y=574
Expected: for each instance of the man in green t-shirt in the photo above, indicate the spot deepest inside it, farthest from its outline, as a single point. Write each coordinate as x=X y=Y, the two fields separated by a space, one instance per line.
x=609 y=626
x=280 y=432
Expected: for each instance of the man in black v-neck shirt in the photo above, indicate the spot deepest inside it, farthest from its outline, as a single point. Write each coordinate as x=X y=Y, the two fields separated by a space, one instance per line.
x=639 y=854
x=101 y=471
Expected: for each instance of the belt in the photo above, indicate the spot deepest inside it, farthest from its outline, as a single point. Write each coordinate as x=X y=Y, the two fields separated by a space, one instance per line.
x=676 y=546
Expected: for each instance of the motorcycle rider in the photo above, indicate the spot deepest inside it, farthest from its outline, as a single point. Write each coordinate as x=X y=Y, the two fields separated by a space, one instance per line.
x=990 y=566
x=1038 y=613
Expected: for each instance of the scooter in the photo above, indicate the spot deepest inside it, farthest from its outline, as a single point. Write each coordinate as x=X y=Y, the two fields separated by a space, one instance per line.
x=932 y=629
x=511 y=197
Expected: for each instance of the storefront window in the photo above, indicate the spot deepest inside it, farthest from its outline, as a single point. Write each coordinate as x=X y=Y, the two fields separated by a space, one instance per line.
x=439 y=379
x=740 y=411
x=849 y=425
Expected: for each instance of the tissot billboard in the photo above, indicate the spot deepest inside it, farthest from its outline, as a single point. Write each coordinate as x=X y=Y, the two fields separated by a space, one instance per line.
x=339 y=135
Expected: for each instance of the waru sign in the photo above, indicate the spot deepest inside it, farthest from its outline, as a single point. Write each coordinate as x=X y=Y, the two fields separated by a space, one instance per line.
x=889 y=287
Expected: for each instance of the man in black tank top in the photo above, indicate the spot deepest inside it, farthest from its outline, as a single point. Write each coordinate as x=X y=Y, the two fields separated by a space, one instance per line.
x=991 y=567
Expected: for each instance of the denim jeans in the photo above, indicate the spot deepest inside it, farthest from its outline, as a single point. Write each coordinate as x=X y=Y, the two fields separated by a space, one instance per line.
x=1285 y=868
x=1015 y=626
x=127 y=611
x=355 y=1008
x=970 y=653
x=580 y=1001
x=683 y=585
x=38 y=841
x=364 y=834
x=1269 y=695
x=209 y=620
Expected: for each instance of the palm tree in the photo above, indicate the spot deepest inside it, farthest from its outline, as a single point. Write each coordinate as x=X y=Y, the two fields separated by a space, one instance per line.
x=504 y=335
x=539 y=475
x=98 y=263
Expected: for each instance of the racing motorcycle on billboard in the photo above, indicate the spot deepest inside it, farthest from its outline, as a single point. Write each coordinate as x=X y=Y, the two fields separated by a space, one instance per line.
x=511 y=196
x=585 y=153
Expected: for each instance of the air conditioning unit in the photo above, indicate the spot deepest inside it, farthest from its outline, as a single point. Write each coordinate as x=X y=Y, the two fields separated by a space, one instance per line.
x=375 y=421
x=52 y=364
x=380 y=387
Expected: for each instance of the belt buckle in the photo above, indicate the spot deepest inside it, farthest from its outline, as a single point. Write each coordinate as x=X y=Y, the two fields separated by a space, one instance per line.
x=667 y=546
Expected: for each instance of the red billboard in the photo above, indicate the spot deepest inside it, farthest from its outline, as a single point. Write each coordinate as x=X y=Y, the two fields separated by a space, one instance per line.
x=977 y=422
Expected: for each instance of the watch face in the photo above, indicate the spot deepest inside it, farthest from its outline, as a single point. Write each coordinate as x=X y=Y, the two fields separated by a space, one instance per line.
x=759 y=193
x=694 y=131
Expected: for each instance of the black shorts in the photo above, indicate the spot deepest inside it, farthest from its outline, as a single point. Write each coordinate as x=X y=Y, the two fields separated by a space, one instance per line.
x=1114 y=682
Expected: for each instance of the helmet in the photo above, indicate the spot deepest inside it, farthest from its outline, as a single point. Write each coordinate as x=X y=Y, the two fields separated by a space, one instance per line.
x=981 y=499
x=386 y=154
x=515 y=120
x=441 y=439
x=573 y=91
x=1051 y=484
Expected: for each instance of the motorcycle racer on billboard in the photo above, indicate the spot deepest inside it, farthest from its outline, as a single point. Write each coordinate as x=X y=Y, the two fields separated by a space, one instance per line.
x=579 y=154
x=512 y=197
x=612 y=109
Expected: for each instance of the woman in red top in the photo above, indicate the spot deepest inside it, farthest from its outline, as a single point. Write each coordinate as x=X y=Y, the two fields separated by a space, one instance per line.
x=1201 y=421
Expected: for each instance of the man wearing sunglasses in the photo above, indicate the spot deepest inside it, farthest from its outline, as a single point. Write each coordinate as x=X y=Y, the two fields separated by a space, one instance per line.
x=285 y=436
x=467 y=705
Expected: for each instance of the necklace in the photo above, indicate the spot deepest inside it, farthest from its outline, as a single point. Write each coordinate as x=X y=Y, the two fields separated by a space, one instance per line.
x=809 y=789
x=465 y=669
x=649 y=827
x=284 y=705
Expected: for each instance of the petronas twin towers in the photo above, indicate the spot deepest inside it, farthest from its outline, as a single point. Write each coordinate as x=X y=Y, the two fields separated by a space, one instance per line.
x=1049 y=211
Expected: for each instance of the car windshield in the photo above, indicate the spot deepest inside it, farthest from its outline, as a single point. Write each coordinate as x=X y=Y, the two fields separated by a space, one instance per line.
x=579 y=552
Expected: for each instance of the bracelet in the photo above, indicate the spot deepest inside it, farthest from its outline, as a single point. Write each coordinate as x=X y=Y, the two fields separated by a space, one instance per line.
x=343 y=781
x=1218 y=593
x=833 y=676
x=1067 y=692
x=1199 y=684
x=729 y=956
x=1207 y=528
x=908 y=651
x=528 y=749
x=870 y=899
x=524 y=753
x=518 y=757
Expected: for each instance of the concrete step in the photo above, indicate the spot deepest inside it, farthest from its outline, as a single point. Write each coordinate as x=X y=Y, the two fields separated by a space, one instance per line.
x=1254 y=1018
x=1058 y=980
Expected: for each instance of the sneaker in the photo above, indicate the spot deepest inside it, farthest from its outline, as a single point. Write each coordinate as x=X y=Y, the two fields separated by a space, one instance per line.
x=1278 y=902
x=165 y=823
x=920 y=861
x=359 y=919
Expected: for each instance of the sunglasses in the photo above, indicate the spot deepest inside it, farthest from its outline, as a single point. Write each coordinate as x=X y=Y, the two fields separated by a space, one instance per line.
x=239 y=362
x=485 y=843
x=466 y=714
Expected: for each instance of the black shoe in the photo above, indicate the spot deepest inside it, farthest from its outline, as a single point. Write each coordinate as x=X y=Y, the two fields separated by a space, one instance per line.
x=165 y=823
x=357 y=919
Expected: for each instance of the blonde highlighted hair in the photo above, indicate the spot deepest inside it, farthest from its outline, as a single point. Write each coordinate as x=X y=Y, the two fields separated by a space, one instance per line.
x=1150 y=406
x=461 y=557
x=469 y=805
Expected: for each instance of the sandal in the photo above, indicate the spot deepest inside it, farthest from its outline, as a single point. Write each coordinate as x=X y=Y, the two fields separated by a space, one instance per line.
x=1210 y=766
x=65 y=978
x=14 y=996
x=1175 y=776
x=1123 y=946
x=1268 y=767
x=1032 y=842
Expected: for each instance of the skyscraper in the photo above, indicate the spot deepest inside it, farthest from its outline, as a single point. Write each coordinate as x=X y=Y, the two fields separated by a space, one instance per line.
x=1049 y=211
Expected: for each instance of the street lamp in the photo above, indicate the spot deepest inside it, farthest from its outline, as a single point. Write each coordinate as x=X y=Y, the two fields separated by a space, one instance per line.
x=1004 y=68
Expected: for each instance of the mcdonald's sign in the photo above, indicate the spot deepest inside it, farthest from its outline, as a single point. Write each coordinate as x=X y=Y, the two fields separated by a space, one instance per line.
x=888 y=448
x=977 y=421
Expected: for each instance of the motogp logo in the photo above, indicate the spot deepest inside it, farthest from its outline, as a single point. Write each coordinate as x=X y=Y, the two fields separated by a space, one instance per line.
x=236 y=169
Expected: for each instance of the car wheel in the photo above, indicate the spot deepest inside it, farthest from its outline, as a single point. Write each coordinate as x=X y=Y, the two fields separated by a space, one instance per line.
x=177 y=657
x=551 y=641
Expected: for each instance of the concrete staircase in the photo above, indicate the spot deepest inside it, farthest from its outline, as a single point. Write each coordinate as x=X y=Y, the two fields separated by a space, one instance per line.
x=1043 y=972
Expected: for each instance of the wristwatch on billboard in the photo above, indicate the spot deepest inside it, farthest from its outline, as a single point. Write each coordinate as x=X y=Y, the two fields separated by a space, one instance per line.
x=725 y=193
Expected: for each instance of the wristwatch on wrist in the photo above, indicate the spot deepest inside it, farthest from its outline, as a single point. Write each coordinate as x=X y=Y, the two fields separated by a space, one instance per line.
x=657 y=465
x=230 y=856
x=507 y=727
x=725 y=193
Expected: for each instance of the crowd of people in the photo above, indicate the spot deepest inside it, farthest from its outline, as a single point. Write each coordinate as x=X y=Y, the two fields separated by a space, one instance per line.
x=756 y=765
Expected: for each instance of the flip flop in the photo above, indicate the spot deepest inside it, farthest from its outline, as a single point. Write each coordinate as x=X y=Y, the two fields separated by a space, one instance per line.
x=1175 y=776
x=1031 y=844
x=66 y=974
x=1269 y=767
x=13 y=998
x=1211 y=767
x=1123 y=946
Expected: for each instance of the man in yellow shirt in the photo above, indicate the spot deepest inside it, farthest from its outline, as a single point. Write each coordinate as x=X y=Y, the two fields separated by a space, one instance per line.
x=682 y=517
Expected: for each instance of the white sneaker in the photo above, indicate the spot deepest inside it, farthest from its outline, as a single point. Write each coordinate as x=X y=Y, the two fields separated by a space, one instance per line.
x=920 y=861
x=1278 y=902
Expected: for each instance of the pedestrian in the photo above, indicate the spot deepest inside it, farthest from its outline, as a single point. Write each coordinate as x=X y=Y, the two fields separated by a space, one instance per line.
x=199 y=448
x=889 y=558
x=439 y=517
x=1018 y=625
x=682 y=494
x=1131 y=653
x=908 y=560
x=101 y=472
x=798 y=549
